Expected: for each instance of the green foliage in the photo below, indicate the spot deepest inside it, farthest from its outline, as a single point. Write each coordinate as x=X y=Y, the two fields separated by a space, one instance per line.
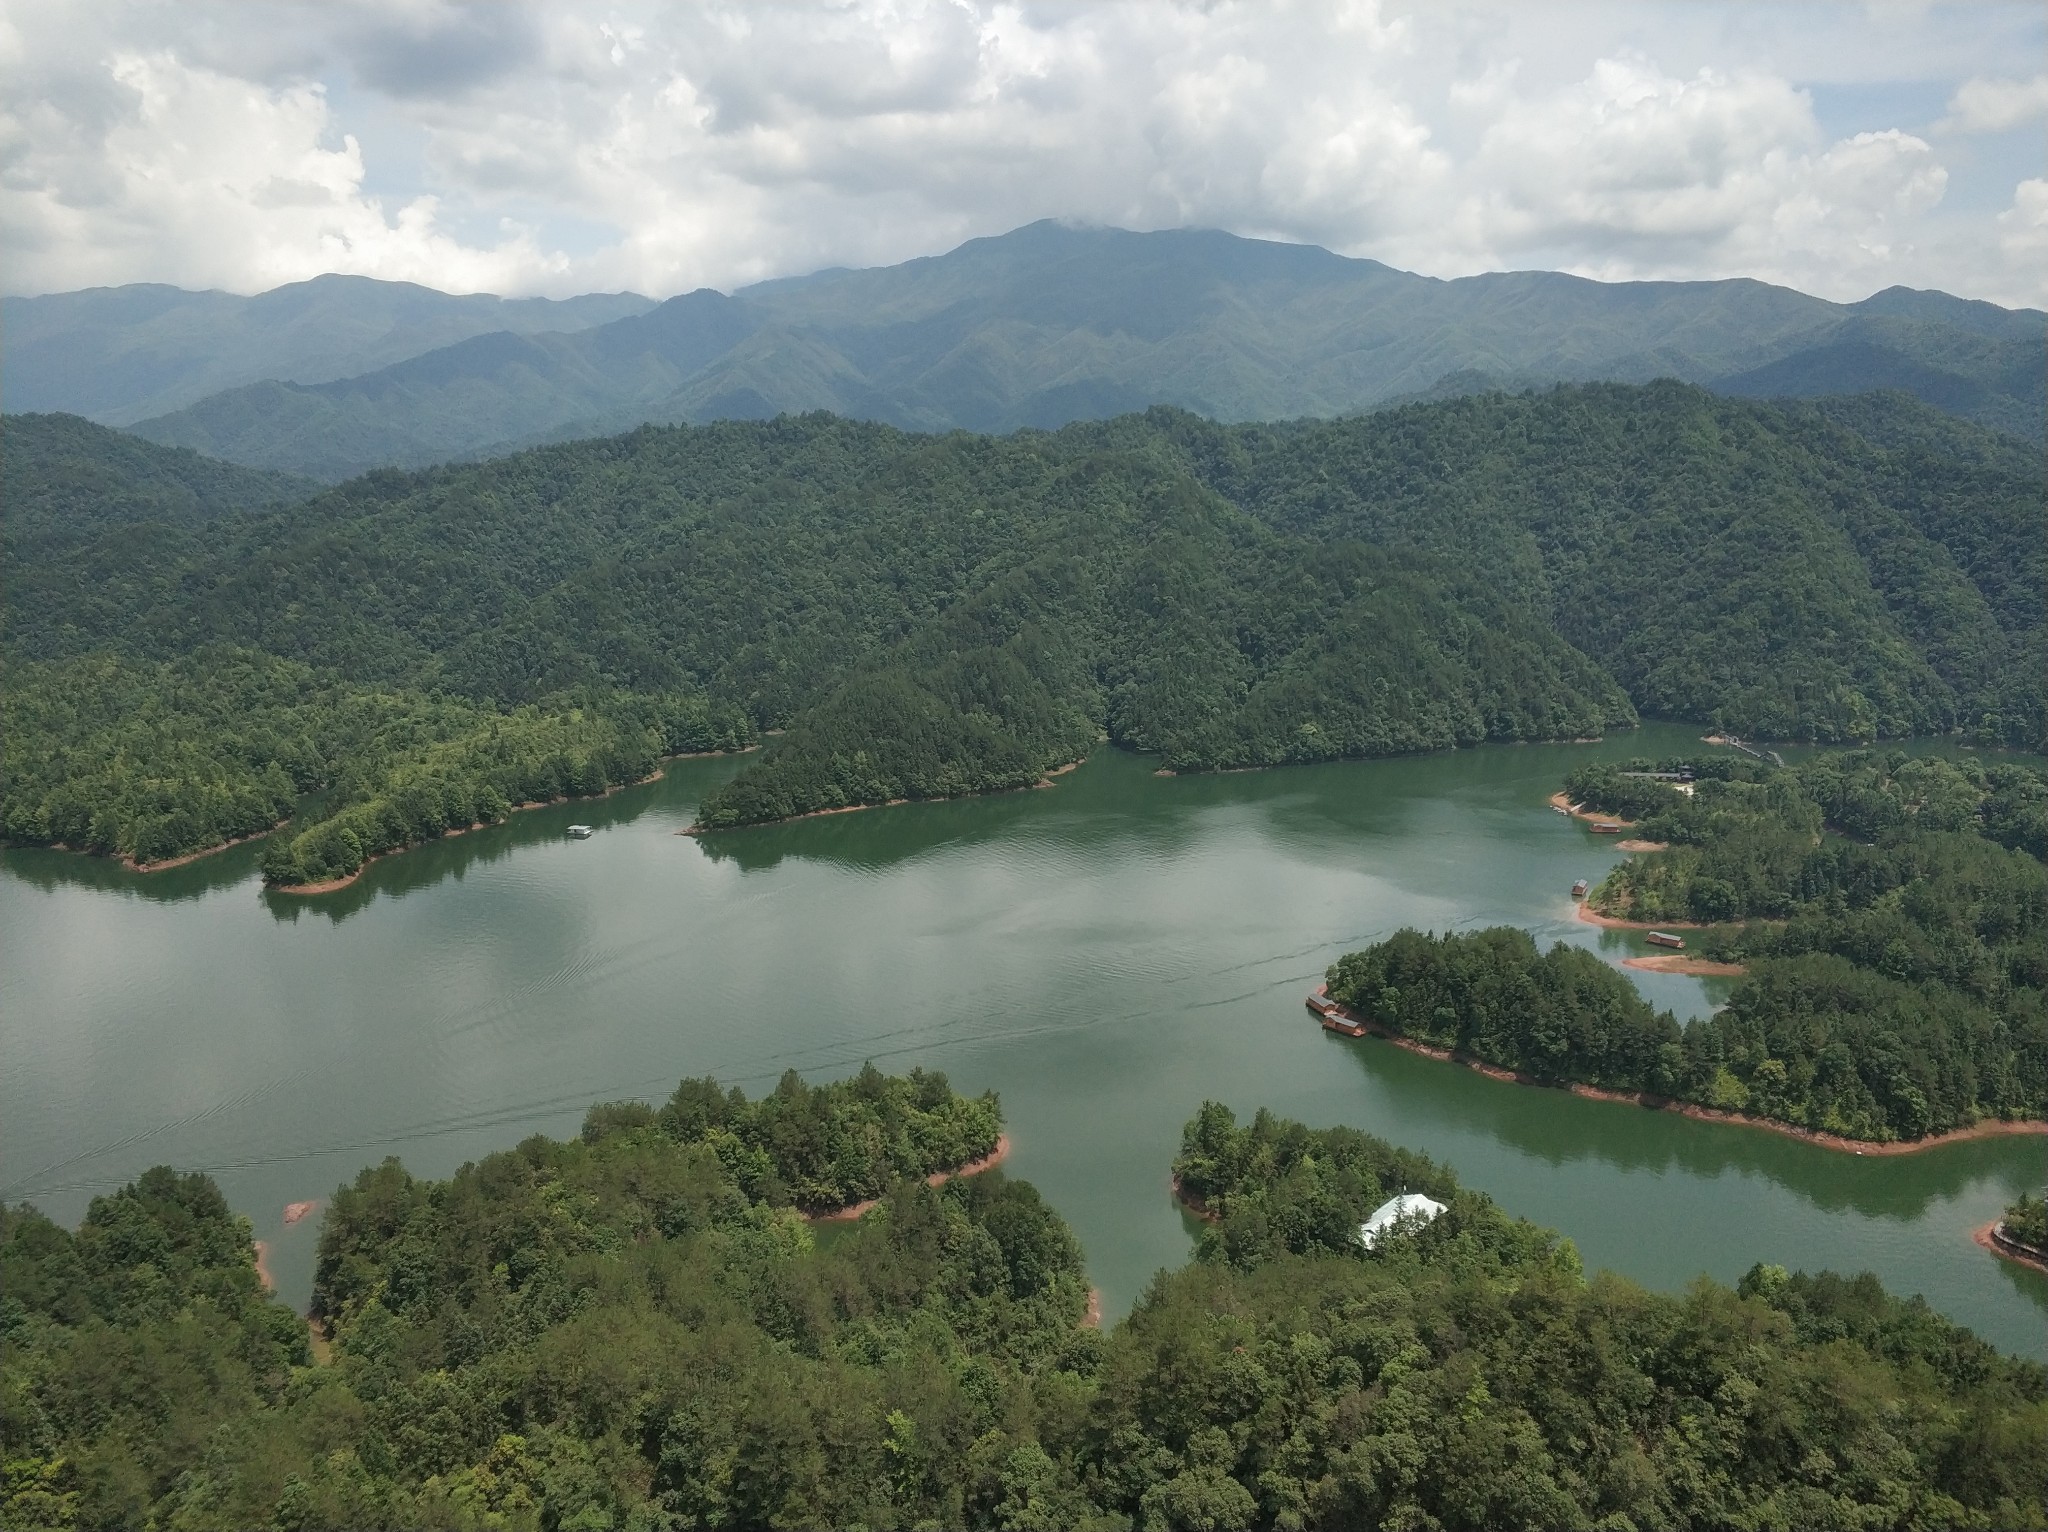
x=1810 y=1040
x=1469 y=1375
x=1556 y=1016
x=1898 y=967
x=152 y=761
x=2026 y=1221
x=69 y=479
x=1034 y=328
x=608 y=1332
x=921 y=617
x=461 y=766
x=614 y=1332
x=829 y=1146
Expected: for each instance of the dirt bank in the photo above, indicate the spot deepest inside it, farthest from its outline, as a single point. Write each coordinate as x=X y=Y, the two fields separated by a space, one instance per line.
x=1989 y=1238
x=1678 y=962
x=332 y=884
x=263 y=1266
x=189 y=857
x=1092 y=1320
x=1642 y=845
x=294 y=1211
x=857 y=808
x=1563 y=804
x=988 y=1161
x=1993 y=1128
x=1593 y=917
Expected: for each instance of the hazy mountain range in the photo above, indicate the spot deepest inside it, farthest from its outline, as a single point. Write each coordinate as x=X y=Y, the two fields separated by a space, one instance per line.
x=1045 y=325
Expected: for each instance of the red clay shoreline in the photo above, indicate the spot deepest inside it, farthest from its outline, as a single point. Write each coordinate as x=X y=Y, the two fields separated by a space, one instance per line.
x=1678 y=962
x=890 y=803
x=333 y=884
x=1991 y=1127
x=1988 y=1237
x=1593 y=917
x=988 y=1161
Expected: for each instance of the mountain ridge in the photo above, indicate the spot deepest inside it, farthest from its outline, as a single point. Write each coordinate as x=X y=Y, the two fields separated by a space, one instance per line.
x=1052 y=323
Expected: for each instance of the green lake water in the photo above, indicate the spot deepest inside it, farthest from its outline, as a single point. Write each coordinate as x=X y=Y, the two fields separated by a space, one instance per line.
x=1105 y=953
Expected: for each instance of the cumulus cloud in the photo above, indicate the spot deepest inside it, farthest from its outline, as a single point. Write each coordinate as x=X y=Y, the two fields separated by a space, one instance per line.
x=1988 y=105
x=526 y=147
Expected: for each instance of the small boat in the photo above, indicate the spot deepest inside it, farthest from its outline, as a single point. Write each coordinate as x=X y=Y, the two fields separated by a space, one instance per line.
x=580 y=832
x=1601 y=827
x=1579 y=889
x=1559 y=808
x=1666 y=939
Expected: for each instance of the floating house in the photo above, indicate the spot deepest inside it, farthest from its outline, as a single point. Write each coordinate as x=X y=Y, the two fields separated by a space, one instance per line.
x=1410 y=1209
x=1332 y=1014
x=1666 y=939
x=1579 y=889
x=580 y=832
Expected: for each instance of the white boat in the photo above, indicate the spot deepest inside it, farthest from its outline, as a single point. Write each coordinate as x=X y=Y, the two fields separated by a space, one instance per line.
x=580 y=832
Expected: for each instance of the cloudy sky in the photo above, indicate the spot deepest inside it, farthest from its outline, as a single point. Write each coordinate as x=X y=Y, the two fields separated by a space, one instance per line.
x=559 y=148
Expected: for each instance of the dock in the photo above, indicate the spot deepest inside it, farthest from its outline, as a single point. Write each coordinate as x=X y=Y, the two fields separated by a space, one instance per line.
x=1332 y=1015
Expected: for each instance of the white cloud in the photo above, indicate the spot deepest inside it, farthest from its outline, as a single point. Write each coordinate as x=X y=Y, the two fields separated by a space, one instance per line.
x=1990 y=105
x=528 y=147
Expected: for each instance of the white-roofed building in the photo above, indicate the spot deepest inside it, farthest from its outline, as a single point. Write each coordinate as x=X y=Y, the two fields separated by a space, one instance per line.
x=1410 y=1208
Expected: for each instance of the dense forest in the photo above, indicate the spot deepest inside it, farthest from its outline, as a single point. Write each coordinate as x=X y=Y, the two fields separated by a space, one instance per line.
x=1812 y=1041
x=1891 y=912
x=635 y=1329
x=152 y=760
x=2026 y=1223
x=912 y=616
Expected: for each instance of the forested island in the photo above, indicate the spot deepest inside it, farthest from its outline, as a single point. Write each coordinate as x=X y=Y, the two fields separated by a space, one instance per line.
x=902 y=616
x=636 y=1328
x=1895 y=960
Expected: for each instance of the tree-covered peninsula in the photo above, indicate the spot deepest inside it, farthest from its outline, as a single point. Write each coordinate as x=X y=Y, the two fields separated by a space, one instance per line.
x=904 y=616
x=636 y=1329
x=1894 y=984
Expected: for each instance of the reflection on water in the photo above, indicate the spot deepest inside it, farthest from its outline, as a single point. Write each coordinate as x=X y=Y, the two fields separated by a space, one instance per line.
x=1105 y=953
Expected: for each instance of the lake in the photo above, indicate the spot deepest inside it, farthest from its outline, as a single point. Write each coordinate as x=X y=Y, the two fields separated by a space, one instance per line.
x=1106 y=953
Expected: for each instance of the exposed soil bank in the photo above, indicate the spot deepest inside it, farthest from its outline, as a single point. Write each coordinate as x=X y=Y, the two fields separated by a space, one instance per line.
x=890 y=803
x=189 y=857
x=1990 y=1128
x=1092 y=1320
x=1678 y=962
x=1578 y=811
x=294 y=1211
x=334 y=884
x=1991 y=1236
x=988 y=1161
x=1642 y=845
x=263 y=1266
x=1593 y=917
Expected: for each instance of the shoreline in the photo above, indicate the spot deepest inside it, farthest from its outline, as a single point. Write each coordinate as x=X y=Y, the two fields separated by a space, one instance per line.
x=1642 y=845
x=1593 y=917
x=1564 y=805
x=1990 y=1127
x=190 y=857
x=1987 y=1237
x=263 y=1273
x=989 y=1161
x=890 y=803
x=333 y=885
x=1678 y=962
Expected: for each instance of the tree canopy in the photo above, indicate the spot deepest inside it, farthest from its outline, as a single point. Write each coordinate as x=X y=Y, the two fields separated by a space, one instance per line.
x=622 y=1331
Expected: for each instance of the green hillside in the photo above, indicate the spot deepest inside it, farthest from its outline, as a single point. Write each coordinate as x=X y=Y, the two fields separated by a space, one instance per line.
x=1051 y=323
x=636 y=1329
x=118 y=354
x=921 y=616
